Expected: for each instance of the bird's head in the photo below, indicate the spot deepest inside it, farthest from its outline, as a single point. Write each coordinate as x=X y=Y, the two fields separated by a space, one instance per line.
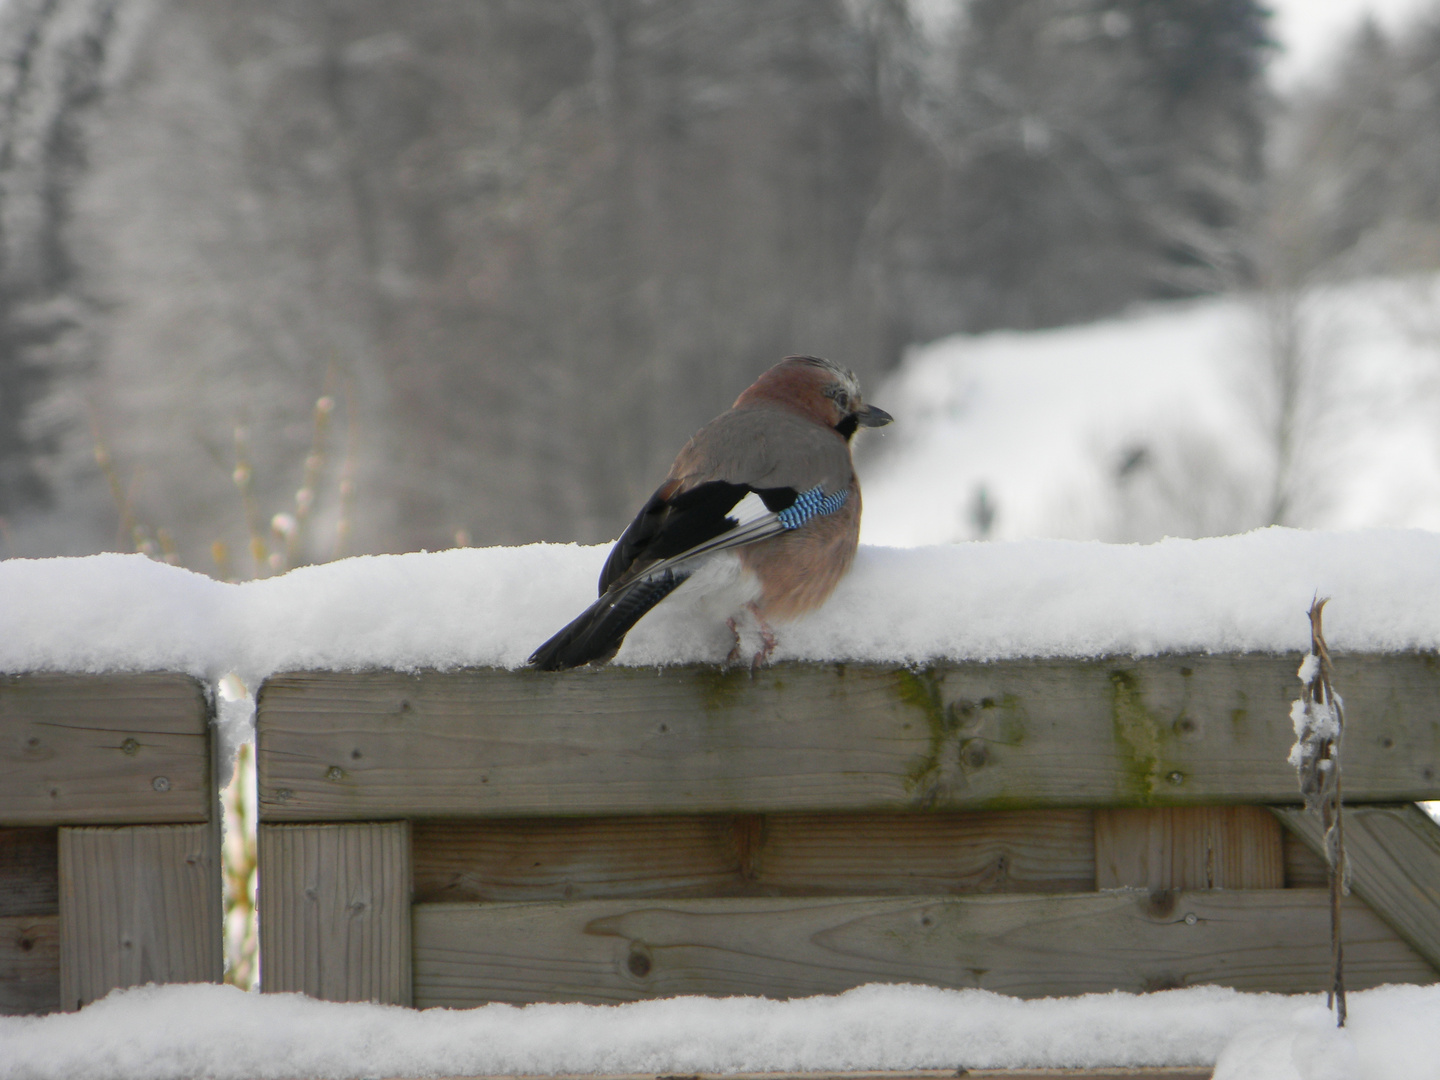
x=819 y=389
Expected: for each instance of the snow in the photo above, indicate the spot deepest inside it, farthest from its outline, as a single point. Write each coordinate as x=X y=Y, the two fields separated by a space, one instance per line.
x=1043 y=420
x=492 y=606
x=220 y=1032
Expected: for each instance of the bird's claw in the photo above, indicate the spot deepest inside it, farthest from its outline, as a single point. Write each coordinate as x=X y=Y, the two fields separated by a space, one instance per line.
x=761 y=658
x=767 y=642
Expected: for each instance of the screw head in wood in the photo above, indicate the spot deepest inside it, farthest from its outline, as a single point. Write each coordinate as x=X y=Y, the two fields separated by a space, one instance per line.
x=161 y=783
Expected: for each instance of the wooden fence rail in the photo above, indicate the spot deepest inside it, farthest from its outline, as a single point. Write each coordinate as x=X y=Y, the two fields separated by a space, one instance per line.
x=1033 y=827
x=109 y=838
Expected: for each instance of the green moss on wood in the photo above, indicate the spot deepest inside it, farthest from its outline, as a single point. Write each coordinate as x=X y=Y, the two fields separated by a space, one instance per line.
x=722 y=688
x=921 y=691
x=1137 y=736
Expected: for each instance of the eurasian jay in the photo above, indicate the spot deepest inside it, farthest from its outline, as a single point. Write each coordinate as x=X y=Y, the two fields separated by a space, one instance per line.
x=763 y=497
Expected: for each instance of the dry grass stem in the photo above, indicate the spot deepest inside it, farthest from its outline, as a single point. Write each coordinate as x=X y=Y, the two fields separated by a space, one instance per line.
x=1319 y=718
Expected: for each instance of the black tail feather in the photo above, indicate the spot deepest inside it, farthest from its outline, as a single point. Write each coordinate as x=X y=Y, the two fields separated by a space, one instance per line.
x=597 y=632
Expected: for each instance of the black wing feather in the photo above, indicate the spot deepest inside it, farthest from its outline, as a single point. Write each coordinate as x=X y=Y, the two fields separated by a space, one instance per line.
x=672 y=524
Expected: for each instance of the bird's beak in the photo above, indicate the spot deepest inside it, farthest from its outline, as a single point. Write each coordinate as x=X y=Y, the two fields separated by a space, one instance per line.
x=870 y=416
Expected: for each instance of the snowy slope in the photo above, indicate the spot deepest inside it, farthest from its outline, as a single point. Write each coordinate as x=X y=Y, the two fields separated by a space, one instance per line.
x=1044 y=421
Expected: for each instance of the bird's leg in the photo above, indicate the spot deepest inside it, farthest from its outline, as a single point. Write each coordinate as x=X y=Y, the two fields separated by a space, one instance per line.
x=734 y=655
x=767 y=640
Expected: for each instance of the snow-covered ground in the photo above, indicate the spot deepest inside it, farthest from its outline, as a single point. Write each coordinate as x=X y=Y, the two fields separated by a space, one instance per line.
x=159 y=1033
x=1160 y=422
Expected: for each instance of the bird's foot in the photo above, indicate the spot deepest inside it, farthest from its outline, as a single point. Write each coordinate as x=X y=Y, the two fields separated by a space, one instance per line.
x=733 y=657
x=767 y=641
x=745 y=637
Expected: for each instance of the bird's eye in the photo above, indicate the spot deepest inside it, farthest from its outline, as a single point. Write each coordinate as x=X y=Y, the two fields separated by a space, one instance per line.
x=842 y=400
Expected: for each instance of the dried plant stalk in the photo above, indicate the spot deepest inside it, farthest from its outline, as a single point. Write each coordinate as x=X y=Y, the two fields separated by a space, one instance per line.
x=1319 y=719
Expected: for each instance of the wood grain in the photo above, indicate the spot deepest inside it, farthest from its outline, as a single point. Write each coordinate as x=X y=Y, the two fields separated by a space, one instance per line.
x=755 y=855
x=29 y=964
x=1189 y=847
x=1162 y=1072
x=1172 y=730
x=1105 y=1073
x=29 y=872
x=138 y=904
x=1304 y=869
x=334 y=909
x=932 y=853
x=103 y=749
x=1029 y=946
x=577 y=858
x=1394 y=856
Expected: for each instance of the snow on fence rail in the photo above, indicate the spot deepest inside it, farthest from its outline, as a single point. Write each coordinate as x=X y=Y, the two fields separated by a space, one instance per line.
x=1035 y=827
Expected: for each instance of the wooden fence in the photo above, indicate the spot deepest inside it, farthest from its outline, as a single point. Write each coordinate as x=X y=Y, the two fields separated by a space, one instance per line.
x=1031 y=827
x=109 y=838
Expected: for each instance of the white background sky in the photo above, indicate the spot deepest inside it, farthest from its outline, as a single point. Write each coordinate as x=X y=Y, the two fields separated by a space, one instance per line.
x=1310 y=30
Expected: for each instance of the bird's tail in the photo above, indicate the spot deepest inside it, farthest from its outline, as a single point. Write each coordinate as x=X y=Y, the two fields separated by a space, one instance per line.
x=597 y=632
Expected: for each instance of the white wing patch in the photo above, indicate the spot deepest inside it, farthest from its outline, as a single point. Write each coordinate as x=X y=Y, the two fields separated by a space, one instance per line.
x=750 y=508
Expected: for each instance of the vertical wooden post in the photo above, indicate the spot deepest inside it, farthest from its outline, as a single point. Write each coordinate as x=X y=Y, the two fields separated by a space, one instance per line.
x=29 y=921
x=335 y=911
x=138 y=904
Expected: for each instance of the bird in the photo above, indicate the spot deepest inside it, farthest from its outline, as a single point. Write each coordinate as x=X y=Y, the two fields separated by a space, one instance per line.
x=762 y=501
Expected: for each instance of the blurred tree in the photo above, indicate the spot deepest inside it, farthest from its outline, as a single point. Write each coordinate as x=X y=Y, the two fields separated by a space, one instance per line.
x=530 y=245
x=50 y=74
x=1356 y=188
x=1103 y=151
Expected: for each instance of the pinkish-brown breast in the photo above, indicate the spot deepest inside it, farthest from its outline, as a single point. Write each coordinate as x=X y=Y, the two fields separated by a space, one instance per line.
x=799 y=570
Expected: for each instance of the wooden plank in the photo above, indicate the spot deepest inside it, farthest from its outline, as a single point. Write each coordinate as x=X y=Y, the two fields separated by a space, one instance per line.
x=1163 y=1072
x=103 y=749
x=755 y=855
x=334 y=910
x=1304 y=869
x=1394 y=856
x=1189 y=847
x=934 y=854
x=588 y=858
x=1171 y=730
x=138 y=904
x=29 y=964
x=607 y=950
x=29 y=872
